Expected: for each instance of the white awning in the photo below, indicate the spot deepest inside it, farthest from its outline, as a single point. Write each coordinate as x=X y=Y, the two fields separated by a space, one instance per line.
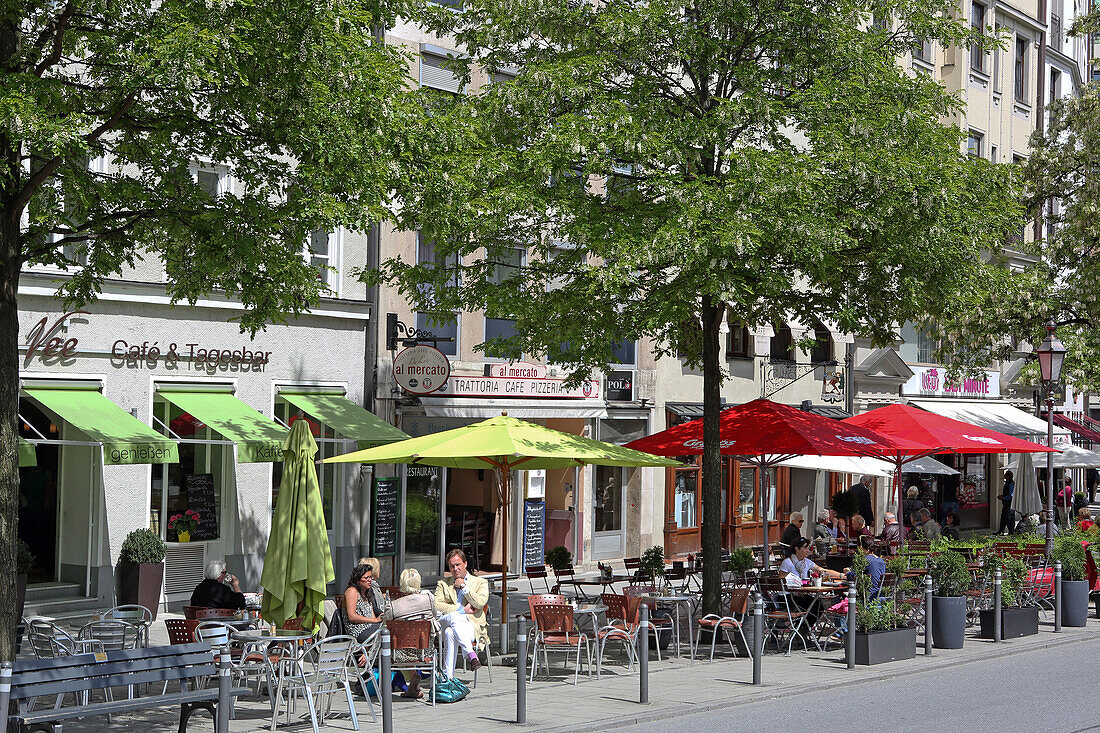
x=993 y=415
x=486 y=408
x=929 y=465
x=1072 y=456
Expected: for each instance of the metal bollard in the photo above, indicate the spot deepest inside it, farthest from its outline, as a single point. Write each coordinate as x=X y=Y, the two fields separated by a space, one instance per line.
x=521 y=670
x=850 y=637
x=385 y=683
x=757 y=637
x=5 y=688
x=1058 y=596
x=225 y=700
x=928 y=615
x=643 y=657
x=997 y=605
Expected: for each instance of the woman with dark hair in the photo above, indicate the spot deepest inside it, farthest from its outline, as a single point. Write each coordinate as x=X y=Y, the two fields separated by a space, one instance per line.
x=363 y=604
x=950 y=528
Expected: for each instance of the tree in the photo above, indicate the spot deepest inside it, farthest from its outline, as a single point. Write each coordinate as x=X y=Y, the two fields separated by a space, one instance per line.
x=106 y=107
x=667 y=165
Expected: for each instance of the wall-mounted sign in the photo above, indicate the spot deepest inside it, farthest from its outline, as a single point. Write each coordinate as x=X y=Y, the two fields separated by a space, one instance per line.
x=832 y=385
x=421 y=369
x=517 y=369
x=620 y=386
x=460 y=386
x=933 y=382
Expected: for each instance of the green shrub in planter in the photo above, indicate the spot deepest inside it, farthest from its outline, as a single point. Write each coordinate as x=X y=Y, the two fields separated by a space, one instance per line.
x=653 y=561
x=142 y=546
x=950 y=577
x=559 y=558
x=741 y=560
x=1071 y=553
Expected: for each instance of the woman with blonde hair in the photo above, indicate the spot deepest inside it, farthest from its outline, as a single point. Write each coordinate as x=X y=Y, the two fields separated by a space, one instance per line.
x=415 y=604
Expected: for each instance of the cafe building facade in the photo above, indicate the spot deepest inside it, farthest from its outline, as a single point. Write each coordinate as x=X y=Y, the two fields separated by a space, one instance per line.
x=133 y=411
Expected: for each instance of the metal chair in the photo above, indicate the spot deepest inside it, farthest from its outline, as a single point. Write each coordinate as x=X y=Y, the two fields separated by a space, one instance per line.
x=566 y=576
x=132 y=613
x=113 y=635
x=321 y=669
x=733 y=621
x=656 y=624
x=621 y=627
x=537 y=572
x=557 y=632
x=780 y=619
x=483 y=642
x=420 y=645
x=247 y=662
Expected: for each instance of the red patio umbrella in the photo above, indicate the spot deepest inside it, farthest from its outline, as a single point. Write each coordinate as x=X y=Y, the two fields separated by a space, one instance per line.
x=763 y=433
x=952 y=436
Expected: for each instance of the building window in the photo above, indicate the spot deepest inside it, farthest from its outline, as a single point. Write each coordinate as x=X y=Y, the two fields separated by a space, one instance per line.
x=197 y=482
x=822 y=350
x=441 y=325
x=974 y=144
x=435 y=72
x=993 y=153
x=1020 y=87
x=328 y=445
x=922 y=50
x=1055 y=84
x=685 y=496
x=738 y=342
x=507 y=263
x=996 y=53
x=321 y=254
x=608 y=498
x=977 y=24
x=927 y=343
x=782 y=344
x=498 y=328
x=624 y=353
x=214 y=180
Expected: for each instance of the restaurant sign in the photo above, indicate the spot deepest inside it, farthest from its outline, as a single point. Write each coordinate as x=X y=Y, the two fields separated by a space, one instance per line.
x=421 y=369
x=933 y=382
x=460 y=386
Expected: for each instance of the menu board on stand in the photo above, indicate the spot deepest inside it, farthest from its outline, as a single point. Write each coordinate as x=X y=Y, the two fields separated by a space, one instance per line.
x=534 y=532
x=202 y=498
x=387 y=501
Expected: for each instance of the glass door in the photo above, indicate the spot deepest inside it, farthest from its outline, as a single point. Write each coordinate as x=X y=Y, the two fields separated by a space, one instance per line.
x=422 y=540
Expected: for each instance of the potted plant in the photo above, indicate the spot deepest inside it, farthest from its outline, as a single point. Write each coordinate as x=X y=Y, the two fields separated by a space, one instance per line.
x=950 y=580
x=653 y=562
x=741 y=562
x=1016 y=620
x=882 y=634
x=140 y=569
x=1069 y=549
x=24 y=561
x=559 y=558
x=184 y=524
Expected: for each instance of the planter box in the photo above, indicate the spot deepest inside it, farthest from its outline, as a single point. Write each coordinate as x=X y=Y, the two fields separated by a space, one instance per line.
x=1075 y=602
x=877 y=647
x=1015 y=622
x=140 y=583
x=948 y=622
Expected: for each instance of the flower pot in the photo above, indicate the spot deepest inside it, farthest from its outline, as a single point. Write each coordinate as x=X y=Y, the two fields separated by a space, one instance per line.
x=140 y=583
x=1075 y=602
x=1015 y=622
x=876 y=647
x=948 y=621
x=183 y=536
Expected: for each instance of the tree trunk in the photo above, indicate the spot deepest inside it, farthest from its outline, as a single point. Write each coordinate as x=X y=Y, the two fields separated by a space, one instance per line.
x=9 y=402
x=712 y=459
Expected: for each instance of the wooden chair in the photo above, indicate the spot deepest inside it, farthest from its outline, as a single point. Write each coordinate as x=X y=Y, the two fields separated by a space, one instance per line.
x=732 y=621
x=422 y=651
x=566 y=576
x=555 y=631
x=634 y=568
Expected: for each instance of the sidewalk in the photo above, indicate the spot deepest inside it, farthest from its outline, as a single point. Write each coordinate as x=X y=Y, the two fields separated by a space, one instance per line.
x=676 y=688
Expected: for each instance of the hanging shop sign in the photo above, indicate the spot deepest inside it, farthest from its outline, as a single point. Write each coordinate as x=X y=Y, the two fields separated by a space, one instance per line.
x=459 y=386
x=421 y=369
x=832 y=385
x=620 y=386
x=933 y=382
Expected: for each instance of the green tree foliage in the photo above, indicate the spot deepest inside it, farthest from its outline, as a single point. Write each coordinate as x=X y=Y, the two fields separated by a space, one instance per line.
x=668 y=165
x=106 y=106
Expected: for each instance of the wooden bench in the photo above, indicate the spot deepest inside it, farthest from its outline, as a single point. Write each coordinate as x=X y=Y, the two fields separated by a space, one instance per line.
x=76 y=678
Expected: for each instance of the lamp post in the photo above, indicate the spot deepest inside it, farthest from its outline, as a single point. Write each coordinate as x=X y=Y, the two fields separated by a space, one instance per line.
x=1051 y=354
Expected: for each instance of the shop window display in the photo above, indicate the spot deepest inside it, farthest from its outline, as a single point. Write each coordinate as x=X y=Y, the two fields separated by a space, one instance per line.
x=195 y=483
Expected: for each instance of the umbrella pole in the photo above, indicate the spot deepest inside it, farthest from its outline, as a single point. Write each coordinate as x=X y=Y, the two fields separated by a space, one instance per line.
x=505 y=477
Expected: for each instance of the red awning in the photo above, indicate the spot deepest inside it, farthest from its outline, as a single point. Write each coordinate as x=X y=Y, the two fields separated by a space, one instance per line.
x=1075 y=427
x=952 y=436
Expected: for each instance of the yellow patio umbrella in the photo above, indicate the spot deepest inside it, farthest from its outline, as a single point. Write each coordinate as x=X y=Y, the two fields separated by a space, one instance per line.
x=505 y=444
x=297 y=566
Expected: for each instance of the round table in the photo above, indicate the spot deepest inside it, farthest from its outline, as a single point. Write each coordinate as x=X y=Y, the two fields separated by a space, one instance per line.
x=592 y=611
x=677 y=602
x=817 y=593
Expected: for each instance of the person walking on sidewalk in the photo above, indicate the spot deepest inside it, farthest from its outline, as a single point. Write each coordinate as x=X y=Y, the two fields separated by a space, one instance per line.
x=1007 y=524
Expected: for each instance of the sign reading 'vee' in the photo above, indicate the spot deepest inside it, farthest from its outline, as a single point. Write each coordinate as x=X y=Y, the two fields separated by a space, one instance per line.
x=421 y=369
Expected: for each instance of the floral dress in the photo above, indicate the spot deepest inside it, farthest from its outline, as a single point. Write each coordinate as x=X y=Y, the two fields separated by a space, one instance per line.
x=363 y=607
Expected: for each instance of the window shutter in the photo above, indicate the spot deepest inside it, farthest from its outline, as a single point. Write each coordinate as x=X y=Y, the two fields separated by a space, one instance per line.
x=434 y=75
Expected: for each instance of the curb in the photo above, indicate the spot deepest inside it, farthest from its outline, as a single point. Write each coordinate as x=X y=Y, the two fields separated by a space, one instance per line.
x=677 y=711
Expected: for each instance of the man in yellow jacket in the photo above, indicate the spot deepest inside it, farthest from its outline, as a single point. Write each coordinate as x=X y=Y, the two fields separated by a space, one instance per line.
x=462 y=599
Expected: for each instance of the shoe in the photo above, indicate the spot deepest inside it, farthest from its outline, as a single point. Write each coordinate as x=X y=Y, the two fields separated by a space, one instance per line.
x=475 y=663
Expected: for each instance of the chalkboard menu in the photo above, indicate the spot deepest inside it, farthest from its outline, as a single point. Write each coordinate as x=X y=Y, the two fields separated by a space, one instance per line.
x=387 y=501
x=534 y=532
x=202 y=498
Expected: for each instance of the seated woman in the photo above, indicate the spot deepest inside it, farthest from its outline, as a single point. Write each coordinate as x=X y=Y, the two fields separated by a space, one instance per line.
x=1084 y=519
x=416 y=604
x=219 y=589
x=951 y=526
x=799 y=563
x=363 y=604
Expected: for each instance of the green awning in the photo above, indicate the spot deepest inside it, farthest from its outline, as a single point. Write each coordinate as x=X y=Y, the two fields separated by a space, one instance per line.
x=27 y=455
x=125 y=439
x=345 y=417
x=259 y=439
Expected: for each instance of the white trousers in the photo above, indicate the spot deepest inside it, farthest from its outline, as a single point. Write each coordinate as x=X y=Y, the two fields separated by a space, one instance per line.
x=459 y=634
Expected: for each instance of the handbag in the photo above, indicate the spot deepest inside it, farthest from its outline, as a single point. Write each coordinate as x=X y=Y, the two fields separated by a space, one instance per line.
x=451 y=690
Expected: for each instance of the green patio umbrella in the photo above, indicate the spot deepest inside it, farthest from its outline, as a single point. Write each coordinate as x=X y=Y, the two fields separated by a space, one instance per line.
x=503 y=443
x=297 y=566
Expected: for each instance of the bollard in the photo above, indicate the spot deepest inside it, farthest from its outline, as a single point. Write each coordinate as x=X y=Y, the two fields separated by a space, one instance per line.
x=757 y=637
x=521 y=670
x=928 y=615
x=385 y=683
x=5 y=688
x=643 y=657
x=225 y=700
x=997 y=631
x=850 y=637
x=1058 y=596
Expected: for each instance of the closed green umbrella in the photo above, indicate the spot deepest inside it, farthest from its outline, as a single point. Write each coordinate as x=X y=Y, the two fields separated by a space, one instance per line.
x=504 y=444
x=297 y=566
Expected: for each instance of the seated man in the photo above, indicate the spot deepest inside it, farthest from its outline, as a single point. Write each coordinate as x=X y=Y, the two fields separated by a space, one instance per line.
x=858 y=529
x=793 y=530
x=876 y=566
x=824 y=534
x=214 y=591
x=461 y=599
x=929 y=527
x=893 y=534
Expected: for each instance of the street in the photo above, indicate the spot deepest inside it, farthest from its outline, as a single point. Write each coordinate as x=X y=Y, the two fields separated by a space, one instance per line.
x=1014 y=693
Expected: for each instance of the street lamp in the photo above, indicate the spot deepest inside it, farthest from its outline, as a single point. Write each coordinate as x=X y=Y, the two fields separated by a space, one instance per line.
x=1051 y=354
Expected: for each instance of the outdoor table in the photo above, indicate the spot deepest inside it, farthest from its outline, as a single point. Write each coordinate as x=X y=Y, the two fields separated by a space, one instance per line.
x=592 y=611
x=291 y=639
x=677 y=602
x=818 y=595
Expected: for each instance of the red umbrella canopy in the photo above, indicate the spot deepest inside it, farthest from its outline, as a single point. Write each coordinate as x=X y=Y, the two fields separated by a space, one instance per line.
x=952 y=436
x=763 y=427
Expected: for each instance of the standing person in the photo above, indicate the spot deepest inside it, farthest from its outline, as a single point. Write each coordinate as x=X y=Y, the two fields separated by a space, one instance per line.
x=461 y=599
x=1007 y=524
x=363 y=604
x=949 y=495
x=862 y=490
